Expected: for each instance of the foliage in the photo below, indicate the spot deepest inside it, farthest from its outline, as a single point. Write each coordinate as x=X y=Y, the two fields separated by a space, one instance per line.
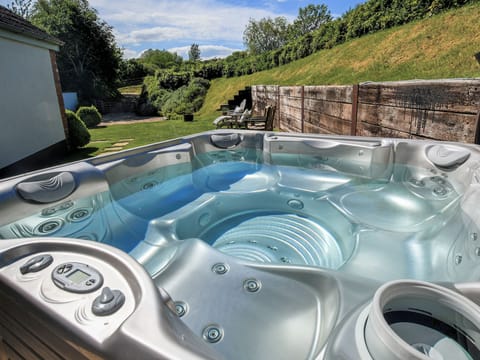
x=366 y=18
x=309 y=18
x=22 y=8
x=131 y=72
x=186 y=99
x=194 y=53
x=210 y=69
x=89 y=115
x=154 y=60
x=419 y=50
x=163 y=97
x=89 y=59
x=265 y=34
x=172 y=80
x=78 y=134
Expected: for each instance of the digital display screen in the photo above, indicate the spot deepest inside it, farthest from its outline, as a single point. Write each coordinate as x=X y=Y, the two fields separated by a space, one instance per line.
x=78 y=276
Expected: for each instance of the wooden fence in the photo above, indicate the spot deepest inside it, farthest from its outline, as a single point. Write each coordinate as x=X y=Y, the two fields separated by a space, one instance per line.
x=439 y=109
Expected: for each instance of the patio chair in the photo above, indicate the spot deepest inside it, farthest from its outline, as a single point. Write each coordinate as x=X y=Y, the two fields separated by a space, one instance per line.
x=230 y=117
x=264 y=122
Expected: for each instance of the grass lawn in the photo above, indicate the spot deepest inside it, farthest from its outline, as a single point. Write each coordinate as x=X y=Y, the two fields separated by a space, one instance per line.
x=131 y=90
x=139 y=134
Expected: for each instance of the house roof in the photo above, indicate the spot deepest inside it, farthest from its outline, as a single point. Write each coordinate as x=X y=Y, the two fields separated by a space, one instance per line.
x=14 y=23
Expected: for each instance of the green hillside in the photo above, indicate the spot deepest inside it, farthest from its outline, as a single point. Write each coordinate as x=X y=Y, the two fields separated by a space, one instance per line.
x=443 y=46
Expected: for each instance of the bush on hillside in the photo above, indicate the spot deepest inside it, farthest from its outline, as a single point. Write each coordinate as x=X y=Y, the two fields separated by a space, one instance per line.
x=78 y=134
x=187 y=99
x=89 y=115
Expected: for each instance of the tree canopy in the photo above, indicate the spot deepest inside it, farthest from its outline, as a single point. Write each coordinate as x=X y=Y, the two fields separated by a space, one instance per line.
x=309 y=18
x=89 y=59
x=21 y=7
x=194 y=53
x=160 y=59
x=265 y=34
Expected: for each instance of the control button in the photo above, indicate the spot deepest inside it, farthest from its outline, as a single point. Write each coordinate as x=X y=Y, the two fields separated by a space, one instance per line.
x=36 y=264
x=106 y=296
x=90 y=282
x=64 y=268
x=108 y=302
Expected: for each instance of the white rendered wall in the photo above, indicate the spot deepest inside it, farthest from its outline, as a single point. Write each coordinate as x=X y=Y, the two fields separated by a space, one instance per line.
x=30 y=119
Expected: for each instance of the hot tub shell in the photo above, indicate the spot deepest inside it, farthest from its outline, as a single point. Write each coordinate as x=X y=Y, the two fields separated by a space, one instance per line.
x=210 y=267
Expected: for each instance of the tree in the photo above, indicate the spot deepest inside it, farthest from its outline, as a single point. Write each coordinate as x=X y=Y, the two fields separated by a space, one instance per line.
x=89 y=59
x=194 y=53
x=131 y=72
x=160 y=59
x=22 y=8
x=265 y=35
x=309 y=19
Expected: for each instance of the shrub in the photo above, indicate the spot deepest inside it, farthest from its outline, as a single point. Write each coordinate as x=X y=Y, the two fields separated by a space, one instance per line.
x=78 y=134
x=89 y=115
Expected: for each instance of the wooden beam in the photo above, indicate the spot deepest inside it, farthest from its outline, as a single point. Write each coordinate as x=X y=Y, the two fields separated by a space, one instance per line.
x=353 y=129
x=477 y=128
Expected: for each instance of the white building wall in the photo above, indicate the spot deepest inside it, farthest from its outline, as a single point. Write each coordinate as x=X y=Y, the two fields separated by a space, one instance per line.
x=30 y=118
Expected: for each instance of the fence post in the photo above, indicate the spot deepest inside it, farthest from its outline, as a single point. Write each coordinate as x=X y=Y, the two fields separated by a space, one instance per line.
x=477 y=128
x=303 y=108
x=353 y=129
x=277 y=111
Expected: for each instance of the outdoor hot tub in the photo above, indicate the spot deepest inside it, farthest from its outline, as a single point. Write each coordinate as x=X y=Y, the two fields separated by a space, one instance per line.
x=246 y=245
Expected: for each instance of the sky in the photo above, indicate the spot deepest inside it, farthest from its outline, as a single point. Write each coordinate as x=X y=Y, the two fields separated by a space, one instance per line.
x=174 y=25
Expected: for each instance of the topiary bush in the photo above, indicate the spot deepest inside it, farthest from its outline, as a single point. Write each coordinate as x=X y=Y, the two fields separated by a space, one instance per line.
x=78 y=134
x=89 y=115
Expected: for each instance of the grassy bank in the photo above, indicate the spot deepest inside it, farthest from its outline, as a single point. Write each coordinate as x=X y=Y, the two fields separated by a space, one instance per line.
x=442 y=46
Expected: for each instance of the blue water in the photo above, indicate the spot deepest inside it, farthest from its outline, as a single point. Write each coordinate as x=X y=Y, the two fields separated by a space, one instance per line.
x=298 y=211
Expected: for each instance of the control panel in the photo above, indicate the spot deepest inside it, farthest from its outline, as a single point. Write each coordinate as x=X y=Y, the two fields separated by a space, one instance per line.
x=77 y=277
x=89 y=292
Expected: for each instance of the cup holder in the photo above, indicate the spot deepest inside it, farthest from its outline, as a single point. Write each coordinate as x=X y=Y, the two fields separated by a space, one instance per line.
x=419 y=320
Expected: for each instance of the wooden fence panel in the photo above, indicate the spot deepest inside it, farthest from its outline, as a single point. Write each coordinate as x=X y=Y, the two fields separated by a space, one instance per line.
x=436 y=109
x=462 y=96
x=439 y=125
x=329 y=93
x=290 y=108
x=335 y=109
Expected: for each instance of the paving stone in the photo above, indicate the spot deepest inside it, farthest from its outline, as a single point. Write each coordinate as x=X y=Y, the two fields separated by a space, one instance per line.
x=114 y=148
x=120 y=143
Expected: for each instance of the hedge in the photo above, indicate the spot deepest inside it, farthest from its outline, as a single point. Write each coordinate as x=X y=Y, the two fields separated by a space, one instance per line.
x=78 y=134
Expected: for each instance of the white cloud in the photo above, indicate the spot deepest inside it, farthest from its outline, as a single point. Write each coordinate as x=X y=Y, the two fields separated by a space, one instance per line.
x=206 y=51
x=187 y=21
x=130 y=54
x=154 y=34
